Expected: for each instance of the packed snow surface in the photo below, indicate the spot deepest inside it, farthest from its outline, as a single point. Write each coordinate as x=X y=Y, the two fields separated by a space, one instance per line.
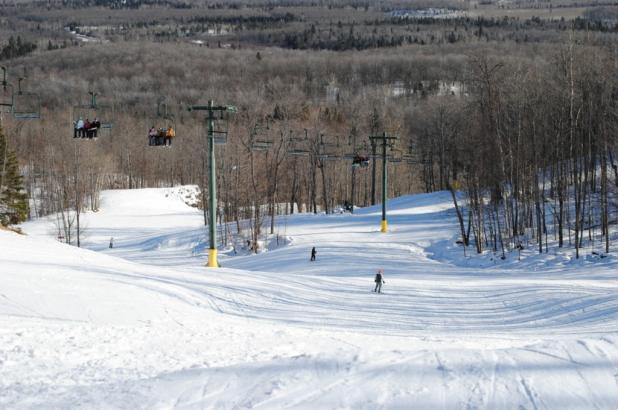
x=145 y=325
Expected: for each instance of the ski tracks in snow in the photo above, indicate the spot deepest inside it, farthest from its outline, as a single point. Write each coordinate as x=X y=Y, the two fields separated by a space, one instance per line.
x=276 y=331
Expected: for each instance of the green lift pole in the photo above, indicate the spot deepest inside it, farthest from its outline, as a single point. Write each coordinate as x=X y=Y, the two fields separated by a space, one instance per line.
x=373 y=172
x=354 y=153
x=212 y=191
x=384 y=139
x=93 y=99
x=212 y=180
x=384 y=223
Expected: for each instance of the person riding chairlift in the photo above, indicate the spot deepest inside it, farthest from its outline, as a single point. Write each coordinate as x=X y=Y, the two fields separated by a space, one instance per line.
x=79 y=128
x=94 y=128
x=360 y=161
x=91 y=128
x=152 y=136
x=86 y=132
x=161 y=134
x=169 y=135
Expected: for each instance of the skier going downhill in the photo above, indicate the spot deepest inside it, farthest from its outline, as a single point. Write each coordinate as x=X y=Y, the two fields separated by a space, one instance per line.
x=313 y=254
x=379 y=281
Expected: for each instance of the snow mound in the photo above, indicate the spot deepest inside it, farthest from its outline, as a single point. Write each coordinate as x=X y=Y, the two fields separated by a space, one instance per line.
x=189 y=194
x=150 y=201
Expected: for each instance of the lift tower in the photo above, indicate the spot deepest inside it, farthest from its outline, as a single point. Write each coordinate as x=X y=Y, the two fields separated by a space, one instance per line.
x=211 y=109
x=387 y=142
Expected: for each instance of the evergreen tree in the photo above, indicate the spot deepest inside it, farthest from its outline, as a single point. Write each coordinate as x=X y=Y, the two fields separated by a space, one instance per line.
x=13 y=199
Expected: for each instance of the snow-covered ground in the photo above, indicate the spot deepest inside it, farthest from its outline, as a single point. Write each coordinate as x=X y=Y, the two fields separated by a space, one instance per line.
x=146 y=325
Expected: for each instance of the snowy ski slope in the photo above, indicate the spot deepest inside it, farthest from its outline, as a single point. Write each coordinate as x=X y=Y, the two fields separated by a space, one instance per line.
x=146 y=325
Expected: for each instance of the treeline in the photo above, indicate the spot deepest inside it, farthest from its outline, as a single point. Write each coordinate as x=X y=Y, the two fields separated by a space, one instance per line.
x=13 y=197
x=397 y=31
x=533 y=148
x=290 y=87
x=301 y=25
x=603 y=14
x=245 y=21
x=248 y=4
x=335 y=40
x=16 y=47
x=124 y=4
x=528 y=135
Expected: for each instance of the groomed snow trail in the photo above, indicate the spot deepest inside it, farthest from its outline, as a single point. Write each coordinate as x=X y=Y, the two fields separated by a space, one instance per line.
x=145 y=325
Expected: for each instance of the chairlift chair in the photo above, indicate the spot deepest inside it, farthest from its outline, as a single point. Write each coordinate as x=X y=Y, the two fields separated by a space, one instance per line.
x=161 y=124
x=412 y=156
x=26 y=105
x=328 y=157
x=298 y=146
x=261 y=140
x=258 y=145
x=329 y=145
x=221 y=128
x=161 y=129
x=102 y=113
x=414 y=160
x=359 y=156
x=395 y=156
x=419 y=162
x=328 y=150
x=360 y=161
x=298 y=152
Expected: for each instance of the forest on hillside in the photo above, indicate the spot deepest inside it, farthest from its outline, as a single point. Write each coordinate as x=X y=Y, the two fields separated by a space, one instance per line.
x=512 y=104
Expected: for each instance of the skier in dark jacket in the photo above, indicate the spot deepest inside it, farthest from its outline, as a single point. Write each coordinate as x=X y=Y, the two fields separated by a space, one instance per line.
x=313 y=254
x=94 y=127
x=379 y=281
